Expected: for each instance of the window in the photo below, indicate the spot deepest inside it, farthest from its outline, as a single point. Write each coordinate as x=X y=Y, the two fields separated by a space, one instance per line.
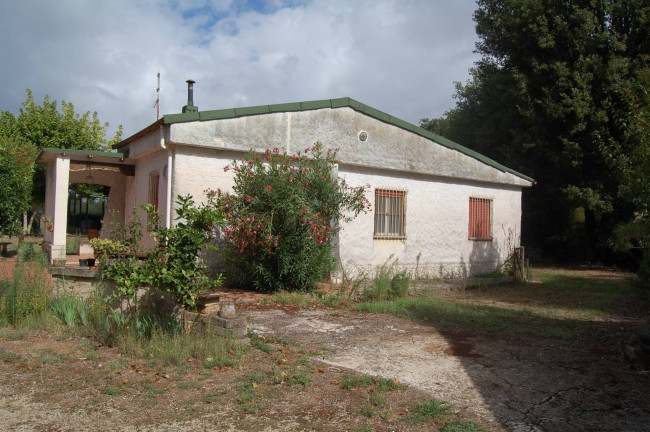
x=154 y=178
x=480 y=219
x=390 y=214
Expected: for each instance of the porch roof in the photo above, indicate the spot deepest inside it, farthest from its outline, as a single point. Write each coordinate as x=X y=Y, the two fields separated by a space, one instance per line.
x=85 y=156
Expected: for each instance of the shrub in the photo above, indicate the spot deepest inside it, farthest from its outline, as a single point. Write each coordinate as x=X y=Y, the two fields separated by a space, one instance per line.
x=172 y=265
x=282 y=216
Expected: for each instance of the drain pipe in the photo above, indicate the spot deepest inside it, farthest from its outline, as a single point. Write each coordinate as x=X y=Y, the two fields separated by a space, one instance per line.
x=168 y=202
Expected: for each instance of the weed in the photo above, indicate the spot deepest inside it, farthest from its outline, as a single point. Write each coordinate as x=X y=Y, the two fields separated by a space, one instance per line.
x=13 y=333
x=27 y=293
x=388 y=283
x=351 y=381
x=209 y=398
x=118 y=364
x=460 y=426
x=9 y=357
x=291 y=376
x=257 y=341
x=49 y=356
x=111 y=391
x=368 y=408
x=424 y=411
x=352 y=285
x=70 y=309
x=378 y=399
x=246 y=391
x=384 y=384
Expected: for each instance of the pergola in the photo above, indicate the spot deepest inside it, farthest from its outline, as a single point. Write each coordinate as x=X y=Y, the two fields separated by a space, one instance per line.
x=65 y=167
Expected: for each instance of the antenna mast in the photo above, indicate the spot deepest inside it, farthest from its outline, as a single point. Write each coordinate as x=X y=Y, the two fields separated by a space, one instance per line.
x=157 y=102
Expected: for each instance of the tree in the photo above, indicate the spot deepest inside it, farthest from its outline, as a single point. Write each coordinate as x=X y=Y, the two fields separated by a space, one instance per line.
x=630 y=160
x=44 y=126
x=540 y=98
x=16 y=170
x=282 y=216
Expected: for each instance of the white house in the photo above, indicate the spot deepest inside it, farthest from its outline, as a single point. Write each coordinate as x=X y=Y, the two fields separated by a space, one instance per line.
x=436 y=204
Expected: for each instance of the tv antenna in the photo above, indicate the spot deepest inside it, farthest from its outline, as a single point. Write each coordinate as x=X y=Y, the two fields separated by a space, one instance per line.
x=156 y=102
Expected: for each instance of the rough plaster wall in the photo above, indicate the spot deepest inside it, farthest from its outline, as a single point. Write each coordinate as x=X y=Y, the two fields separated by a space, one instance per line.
x=154 y=163
x=437 y=219
x=198 y=169
x=387 y=146
x=145 y=145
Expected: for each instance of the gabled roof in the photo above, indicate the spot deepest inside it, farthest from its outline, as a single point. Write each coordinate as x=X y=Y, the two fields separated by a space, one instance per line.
x=344 y=102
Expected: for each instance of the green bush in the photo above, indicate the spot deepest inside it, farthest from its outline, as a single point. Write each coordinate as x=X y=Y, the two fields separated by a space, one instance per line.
x=282 y=216
x=173 y=264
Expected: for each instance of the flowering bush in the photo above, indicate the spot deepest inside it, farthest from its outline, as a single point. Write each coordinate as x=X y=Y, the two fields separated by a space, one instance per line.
x=282 y=216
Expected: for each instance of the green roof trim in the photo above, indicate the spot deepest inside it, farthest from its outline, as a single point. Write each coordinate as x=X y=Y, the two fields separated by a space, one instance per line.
x=337 y=103
x=98 y=153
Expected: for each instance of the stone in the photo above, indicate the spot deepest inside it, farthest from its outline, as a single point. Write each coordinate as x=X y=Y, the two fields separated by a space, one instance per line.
x=227 y=309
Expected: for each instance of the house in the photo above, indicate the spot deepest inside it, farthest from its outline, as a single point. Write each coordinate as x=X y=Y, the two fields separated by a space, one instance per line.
x=436 y=205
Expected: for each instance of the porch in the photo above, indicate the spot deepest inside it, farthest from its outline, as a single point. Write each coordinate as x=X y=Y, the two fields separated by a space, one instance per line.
x=65 y=167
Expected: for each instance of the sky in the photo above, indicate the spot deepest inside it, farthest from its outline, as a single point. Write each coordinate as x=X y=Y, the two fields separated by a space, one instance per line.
x=401 y=57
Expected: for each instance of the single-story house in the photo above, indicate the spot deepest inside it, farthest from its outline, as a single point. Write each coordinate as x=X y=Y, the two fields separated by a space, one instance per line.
x=435 y=204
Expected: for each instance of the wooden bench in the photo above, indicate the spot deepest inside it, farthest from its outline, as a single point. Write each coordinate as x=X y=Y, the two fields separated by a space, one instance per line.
x=3 y=248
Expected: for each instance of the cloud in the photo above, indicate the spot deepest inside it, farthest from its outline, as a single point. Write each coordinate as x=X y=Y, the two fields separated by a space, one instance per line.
x=401 y=57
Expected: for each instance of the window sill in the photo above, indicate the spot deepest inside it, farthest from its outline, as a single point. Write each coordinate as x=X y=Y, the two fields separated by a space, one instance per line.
x=389 y=237
x=489 y=239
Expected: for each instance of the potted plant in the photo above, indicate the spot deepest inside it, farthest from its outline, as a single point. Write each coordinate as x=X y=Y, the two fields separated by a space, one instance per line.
x=49 y=224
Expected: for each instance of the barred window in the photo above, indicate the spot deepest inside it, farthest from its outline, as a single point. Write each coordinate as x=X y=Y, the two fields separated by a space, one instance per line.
x=480 y=219
x=154 y=179
x=390 y=214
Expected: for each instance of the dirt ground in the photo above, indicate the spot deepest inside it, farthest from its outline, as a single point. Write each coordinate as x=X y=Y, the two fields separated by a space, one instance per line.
x=498 y=382
x=518 y=385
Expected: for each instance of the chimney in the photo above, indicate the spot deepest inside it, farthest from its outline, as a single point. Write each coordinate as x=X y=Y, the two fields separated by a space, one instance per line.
x=190 y=97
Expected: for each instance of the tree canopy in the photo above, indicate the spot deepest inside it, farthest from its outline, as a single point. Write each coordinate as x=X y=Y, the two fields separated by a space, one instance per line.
x=34 y=128
x=544 y=94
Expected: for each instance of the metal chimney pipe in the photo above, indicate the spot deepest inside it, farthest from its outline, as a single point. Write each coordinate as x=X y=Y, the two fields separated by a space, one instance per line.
x=190 y=92
x=190 y=107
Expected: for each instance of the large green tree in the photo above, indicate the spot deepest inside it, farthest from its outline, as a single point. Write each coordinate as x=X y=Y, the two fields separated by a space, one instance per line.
x=16 y=170
x=45 y=126
x=630 y=160
x=539 y=100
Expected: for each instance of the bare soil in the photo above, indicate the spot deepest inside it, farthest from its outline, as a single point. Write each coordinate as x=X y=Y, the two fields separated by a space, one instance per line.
x=498 y=382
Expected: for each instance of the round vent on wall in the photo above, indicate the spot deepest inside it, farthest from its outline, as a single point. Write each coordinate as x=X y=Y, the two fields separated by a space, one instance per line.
x=363 y=135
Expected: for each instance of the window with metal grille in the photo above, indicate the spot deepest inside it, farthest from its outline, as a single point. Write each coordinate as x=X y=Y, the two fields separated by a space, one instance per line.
x=390 y=214
x=154 y=178
x=480 y=219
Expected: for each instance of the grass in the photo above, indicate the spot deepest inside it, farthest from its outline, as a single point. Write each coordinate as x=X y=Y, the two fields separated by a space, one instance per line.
x=563 y=306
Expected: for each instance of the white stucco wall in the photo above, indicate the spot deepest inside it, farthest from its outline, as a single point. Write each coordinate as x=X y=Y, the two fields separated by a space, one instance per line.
x=437 y=222
x=439 y=182
x=139 y=190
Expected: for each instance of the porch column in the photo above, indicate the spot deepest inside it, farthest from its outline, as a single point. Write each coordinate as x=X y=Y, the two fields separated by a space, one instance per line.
x=56 y=206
